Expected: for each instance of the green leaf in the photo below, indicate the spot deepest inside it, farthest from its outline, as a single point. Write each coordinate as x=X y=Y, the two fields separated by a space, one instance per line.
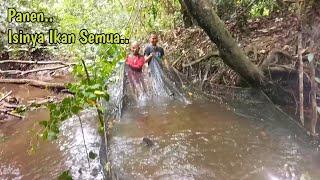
x=310 y=57
x=96 y=86
x=75 y=109
x=43 y=123
x=44 y=135
x=92 y=155
x=106 y=97
x=92 y=96
x=65 y=175
x=97 y=92
x=52 y=135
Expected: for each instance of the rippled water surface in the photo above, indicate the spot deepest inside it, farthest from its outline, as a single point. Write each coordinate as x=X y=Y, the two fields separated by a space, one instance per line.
x=205 y=141
x=200 y=140
x=50 y=159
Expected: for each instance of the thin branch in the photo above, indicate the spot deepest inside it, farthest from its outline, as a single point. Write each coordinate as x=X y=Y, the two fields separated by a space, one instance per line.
x=36 y=62
x=208 y=56
x=36 y=83
x=205 y=77
x=18 y=72
x=179 y=58
x=84 y=141
x=6 y=95
x=11 y=114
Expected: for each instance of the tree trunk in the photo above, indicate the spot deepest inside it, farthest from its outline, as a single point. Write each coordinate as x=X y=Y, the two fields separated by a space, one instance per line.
x=187 y=18
x=301 y=98
x=313 y=98
x=231 y=53
x=301 y=89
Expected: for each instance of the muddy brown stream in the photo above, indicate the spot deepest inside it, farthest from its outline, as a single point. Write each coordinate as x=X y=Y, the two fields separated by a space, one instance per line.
x=48 y=159
x=202 y=140
x=205 y=141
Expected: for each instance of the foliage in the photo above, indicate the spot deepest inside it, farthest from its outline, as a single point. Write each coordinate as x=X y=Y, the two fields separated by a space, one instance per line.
x=252 y=8
x=151 y=15
x=88 y=90
x=263 y=8
x=94 y=63
x=133 y=19
x=65 y=175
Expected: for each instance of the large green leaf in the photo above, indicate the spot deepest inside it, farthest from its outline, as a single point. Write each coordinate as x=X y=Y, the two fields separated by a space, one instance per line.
x=65 y=175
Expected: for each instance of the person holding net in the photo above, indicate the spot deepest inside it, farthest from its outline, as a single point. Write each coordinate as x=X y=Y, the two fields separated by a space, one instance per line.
x=135 y=62
x=152 y=50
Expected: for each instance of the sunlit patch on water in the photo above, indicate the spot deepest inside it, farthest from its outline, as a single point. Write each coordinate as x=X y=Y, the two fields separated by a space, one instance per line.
x=9 y=171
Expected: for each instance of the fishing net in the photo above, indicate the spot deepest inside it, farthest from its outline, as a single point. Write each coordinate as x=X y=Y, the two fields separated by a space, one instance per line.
x=255 y=105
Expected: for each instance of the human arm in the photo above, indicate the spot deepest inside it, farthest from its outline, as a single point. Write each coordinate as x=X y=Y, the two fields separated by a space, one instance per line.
x=148 y=58
x=148 y=54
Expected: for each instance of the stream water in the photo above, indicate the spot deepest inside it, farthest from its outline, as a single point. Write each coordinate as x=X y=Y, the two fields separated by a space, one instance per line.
x=50 y=159
x=23 y=156
x=205 y=141
x=198 y=140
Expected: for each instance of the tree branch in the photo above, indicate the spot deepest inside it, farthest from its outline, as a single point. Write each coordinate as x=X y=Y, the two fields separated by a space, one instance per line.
x=6 y=95
x=18 y=72
x=36 y=62
x=35 y=83
x=208 y=56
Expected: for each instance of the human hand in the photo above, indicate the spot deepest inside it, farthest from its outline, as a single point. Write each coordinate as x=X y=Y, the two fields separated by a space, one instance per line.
x=151 y=55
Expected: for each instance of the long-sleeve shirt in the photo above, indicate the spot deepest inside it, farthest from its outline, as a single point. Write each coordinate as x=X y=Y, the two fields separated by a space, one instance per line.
x=136 y=62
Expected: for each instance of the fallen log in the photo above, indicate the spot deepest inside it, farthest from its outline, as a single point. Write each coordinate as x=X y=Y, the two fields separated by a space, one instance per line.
x=231 y=54
x=36 y=83
x=36 y=62
x=18 y=72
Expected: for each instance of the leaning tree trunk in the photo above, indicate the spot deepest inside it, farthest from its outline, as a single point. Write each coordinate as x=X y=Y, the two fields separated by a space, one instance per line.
x=313 y=98
x=301 y=69
x=187 y=18
x=230 y=52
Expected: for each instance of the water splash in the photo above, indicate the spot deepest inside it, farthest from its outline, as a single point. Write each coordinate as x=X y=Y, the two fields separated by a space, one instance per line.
x=72 y=144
